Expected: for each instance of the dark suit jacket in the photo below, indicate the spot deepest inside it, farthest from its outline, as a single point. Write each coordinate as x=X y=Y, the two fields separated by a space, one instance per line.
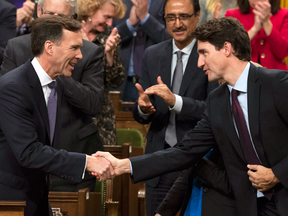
x=268 y=120
x=82 y=95
x=154 y=29
x=194 y=91
x=7 y=25
x=217 y=197
x=26 y=155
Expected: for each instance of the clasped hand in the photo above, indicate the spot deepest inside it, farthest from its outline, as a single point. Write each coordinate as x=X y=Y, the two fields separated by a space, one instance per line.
x=105 y=166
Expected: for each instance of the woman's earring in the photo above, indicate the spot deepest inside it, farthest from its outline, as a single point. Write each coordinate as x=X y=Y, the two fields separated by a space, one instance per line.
x=89 y=19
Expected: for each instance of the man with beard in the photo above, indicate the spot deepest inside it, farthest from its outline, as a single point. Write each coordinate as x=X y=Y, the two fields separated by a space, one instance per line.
x=177 y=90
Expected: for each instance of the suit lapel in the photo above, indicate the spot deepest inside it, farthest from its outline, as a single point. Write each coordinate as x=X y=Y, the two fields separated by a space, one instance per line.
x=228 y=120
x=38 y=95
x=165 y=63
x=190 y=70
x=253 y=90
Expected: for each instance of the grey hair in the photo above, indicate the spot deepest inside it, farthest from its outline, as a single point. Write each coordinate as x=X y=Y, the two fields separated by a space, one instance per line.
x=72 y=3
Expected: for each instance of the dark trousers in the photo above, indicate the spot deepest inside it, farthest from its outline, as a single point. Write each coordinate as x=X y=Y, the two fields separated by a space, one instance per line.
x=266 y=207
x=155 y=195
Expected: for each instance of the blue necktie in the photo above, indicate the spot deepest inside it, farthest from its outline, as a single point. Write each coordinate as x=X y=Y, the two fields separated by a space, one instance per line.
x=52 y=108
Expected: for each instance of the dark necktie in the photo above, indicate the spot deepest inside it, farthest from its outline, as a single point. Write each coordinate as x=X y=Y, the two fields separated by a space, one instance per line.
x=139 y=47
x=244 y=137
x=170 y=134
x=52 y=108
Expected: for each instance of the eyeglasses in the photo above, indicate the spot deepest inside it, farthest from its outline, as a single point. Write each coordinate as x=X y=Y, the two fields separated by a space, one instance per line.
x=182 y=17
x=63 y=15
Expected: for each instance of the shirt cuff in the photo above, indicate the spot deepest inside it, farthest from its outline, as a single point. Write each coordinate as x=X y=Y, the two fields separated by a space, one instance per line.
x=145 y=19
x=83 y=175
x=178 y=104
x=131 y=28
x=143 y=115
x=131 y=167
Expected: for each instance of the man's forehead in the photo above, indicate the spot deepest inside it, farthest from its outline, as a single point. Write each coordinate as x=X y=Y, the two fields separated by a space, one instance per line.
x=180 y=6
x=58 y=6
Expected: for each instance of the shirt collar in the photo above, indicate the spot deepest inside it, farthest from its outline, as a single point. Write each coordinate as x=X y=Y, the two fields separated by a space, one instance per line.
x=241 y=84
x=44 y=78
x=186 y=50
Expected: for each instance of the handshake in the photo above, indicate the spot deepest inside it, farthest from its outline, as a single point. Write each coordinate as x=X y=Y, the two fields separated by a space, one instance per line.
x=105 y=166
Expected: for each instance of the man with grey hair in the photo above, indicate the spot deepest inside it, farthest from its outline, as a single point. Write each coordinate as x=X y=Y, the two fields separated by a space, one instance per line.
x=82 y=92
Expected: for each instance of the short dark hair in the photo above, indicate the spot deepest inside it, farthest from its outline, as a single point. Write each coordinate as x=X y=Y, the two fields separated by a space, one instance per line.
x=225 y=29
x=244 y=6
x=195 y=4
x=50 y=28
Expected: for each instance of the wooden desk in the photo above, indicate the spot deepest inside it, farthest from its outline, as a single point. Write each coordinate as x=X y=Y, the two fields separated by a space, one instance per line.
x=12 y=208
x=81 y=203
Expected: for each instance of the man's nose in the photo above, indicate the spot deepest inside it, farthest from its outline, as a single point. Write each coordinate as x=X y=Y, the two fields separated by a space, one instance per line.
x=79 y=55
x=200 y=62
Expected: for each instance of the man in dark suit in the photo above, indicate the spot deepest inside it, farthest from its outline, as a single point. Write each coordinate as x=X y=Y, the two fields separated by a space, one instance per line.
x=188 y=104
x=82 y=94
x=30 y=98
x=141 y=27
x=7 y=25
x=249 y=125
x=214 y=195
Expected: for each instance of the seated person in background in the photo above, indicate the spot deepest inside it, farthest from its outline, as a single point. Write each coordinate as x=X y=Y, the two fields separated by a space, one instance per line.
x=214 y=8
x=97 y=17
x=267 y=26
x=82 y=92
x=203 y=190
x=7 y=25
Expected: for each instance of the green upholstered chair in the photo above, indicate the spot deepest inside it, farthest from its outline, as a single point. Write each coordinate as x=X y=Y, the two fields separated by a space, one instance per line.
x=126 y=135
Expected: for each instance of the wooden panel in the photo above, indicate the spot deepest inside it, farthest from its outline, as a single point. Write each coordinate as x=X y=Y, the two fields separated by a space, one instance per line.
x=81 y=203
x=12 y=208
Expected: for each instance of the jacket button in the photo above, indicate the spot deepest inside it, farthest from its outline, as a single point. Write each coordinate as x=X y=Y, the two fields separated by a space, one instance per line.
x=205 y=189
x=262 y=55
x=261 y=42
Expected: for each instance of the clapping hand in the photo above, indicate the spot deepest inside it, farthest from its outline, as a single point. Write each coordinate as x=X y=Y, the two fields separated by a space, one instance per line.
x=111 y=44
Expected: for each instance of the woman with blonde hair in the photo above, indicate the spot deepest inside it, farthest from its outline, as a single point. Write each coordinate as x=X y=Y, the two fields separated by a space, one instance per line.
x=96 y=17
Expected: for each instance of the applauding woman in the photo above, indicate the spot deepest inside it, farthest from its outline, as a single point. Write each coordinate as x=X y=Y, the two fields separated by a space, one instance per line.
x=97 y=17
x=267 y=26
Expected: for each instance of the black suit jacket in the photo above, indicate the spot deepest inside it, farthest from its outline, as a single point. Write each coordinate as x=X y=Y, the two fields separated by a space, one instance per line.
x=194 y=91
x=268 y=120
x=7 y=25
x=217 y=197
x=26 y=156
x=154 y=29
x=82 y=95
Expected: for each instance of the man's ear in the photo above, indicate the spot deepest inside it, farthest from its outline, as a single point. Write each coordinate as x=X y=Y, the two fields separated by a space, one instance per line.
x=198 y=16
x=49 y=47
x=228 y=50
x=39 y=12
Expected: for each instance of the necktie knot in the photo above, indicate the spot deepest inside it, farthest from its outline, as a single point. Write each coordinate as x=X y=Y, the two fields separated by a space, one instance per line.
x=234 y=94
x=52 y=85
x=179 y=55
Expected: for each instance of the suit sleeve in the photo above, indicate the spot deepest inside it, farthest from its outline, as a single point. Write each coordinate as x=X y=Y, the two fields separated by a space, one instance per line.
x=19 y=128
x=194 y=109
x=195 y=144
x=280 y=95
x=86 y=95
x=213 y=176
x=7 y=26
x=155 y=30
x=145 y=82
x=173 y=200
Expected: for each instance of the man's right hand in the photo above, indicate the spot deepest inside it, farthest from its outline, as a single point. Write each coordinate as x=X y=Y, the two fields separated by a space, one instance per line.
x=133 y=19
x=101 y=166
x=144 y=101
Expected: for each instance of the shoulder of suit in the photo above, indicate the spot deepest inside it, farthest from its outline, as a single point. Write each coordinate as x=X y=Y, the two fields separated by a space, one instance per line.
x=87 y=45
x=160 y=46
